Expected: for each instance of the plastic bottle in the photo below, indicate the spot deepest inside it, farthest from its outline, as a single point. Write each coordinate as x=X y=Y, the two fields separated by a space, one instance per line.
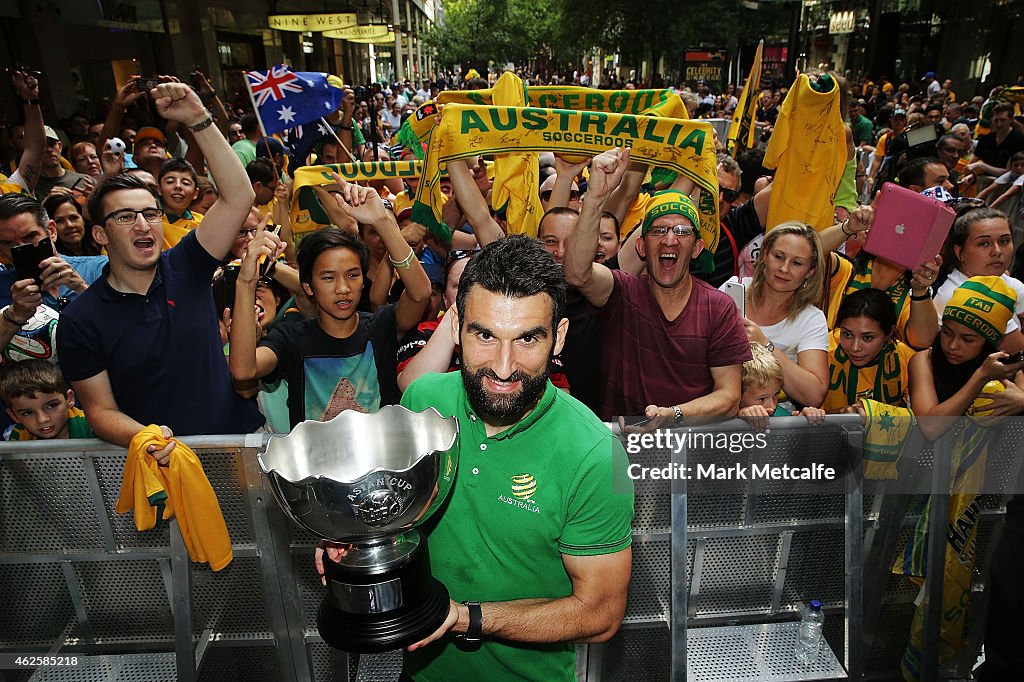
x=809 y=634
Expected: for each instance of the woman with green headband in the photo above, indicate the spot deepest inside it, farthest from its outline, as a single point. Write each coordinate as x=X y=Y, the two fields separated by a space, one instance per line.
x=965 y=361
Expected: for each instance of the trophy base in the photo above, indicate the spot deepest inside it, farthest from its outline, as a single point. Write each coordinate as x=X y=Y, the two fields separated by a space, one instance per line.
x=374 y=611
x=377 y=633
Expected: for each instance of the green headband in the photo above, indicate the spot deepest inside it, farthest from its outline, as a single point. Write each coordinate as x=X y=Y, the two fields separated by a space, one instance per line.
x=670 y=202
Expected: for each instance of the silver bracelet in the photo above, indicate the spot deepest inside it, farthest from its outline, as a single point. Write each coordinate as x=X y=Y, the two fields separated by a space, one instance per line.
x=405 y=263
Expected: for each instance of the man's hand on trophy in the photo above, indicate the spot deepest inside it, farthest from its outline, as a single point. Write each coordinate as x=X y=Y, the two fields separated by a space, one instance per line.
x=334 y=551
x=457 y=621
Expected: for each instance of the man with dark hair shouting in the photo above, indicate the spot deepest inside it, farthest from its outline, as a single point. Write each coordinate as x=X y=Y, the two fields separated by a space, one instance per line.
x=141 y=346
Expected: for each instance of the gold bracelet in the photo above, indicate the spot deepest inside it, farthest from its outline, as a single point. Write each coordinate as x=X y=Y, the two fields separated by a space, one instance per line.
x=405 y=263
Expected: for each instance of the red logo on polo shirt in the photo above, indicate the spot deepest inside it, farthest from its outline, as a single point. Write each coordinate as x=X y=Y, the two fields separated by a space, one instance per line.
x=172 y=303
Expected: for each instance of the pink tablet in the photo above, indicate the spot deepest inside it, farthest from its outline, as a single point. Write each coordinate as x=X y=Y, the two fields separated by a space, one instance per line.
x=909 y=228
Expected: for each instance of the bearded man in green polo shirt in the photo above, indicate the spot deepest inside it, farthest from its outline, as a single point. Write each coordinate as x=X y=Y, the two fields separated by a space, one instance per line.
x=534 y=540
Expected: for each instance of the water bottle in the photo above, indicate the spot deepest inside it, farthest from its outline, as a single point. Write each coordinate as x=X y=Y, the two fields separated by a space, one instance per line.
x=809 y=634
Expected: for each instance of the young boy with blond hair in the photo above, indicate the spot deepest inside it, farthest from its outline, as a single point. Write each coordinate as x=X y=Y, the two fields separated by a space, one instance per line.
x=41 y=403
x=761 y=381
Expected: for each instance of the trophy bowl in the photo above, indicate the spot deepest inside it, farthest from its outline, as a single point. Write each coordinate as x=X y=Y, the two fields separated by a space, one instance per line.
x=367 y=480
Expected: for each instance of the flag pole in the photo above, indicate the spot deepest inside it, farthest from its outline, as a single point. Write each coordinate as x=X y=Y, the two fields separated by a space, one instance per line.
x=337 y=139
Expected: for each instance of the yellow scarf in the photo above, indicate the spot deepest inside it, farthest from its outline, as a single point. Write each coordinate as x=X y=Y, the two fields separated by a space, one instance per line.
x=682 y=146
x=306 y=213
x=741 y=130
x=808 y=151
x=665 y=103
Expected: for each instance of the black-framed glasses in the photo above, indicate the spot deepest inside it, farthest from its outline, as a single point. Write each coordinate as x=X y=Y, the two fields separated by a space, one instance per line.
x=729 y=195
x=678 y=230
x=459 y=254
x=243 y=232
x=128 y=216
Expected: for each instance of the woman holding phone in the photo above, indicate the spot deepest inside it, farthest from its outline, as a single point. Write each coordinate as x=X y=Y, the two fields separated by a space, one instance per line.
x=780 y=313
x=74 y=232
x=965 y=361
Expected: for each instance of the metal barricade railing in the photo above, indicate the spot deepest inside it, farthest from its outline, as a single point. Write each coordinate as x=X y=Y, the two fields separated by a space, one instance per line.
x=711 y=572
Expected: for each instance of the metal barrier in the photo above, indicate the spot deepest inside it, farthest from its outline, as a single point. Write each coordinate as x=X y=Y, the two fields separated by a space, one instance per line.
x=717 y=579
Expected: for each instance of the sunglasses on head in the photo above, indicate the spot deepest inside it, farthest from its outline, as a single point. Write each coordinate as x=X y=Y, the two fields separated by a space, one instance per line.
x=729 y=195
x=574 y=195
x=459 y=254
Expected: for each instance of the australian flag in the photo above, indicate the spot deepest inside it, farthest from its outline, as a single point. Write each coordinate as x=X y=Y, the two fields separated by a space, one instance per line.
x=302 y=139
x=286 y=99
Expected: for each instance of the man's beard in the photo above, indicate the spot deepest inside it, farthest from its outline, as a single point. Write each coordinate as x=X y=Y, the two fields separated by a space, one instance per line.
x=505 y=409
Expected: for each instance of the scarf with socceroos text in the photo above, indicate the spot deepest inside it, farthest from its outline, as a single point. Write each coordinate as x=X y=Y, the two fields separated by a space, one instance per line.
x=681 y=146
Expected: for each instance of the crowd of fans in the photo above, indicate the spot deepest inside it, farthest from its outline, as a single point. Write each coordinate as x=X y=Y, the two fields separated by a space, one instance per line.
x=645 y=337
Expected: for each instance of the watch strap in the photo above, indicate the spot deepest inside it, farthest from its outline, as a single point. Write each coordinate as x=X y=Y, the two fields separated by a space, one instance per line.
x=475 y=630
x=202 y=125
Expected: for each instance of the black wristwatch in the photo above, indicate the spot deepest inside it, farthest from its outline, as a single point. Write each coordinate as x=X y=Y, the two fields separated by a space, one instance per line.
x=473 y=638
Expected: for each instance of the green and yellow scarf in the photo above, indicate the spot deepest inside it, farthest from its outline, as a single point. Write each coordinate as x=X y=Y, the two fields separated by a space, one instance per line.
x=681 y=146
x=308 y=215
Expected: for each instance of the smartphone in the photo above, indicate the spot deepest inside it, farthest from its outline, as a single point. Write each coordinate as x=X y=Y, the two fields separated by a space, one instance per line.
x=146 y=84
x=1013 y=359
x=27 y=258
x=224 y=294
x=737 y=291
x=636 y=421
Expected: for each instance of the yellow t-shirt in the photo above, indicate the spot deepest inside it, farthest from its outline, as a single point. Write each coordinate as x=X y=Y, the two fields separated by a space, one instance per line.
x=885 y=380
x=175 y=231
x=808 y=151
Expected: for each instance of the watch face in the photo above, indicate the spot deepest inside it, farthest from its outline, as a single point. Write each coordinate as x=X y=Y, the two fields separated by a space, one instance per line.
x=388 y=205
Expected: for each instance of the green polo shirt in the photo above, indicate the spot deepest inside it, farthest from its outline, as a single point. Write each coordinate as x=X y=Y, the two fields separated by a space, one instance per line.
x=521 y=499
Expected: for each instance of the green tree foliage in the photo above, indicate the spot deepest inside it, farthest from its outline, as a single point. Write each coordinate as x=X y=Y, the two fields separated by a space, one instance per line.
x=474 y=32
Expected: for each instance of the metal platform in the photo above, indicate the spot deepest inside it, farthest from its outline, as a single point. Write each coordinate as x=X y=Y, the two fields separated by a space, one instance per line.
x=755 y=653
x=77 y=578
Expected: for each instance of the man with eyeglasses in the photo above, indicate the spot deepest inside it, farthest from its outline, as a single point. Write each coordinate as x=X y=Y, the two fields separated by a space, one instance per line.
x=142 y=345
x=673 y=345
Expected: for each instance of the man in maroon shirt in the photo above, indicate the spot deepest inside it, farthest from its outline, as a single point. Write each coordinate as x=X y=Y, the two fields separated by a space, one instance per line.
x=673 y=345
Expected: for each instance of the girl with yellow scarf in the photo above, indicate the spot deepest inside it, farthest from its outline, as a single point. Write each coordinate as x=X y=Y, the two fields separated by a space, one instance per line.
x=865 y=358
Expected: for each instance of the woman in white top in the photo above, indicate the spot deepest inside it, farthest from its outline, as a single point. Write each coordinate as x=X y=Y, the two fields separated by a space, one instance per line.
x=978 y=245
x=781 y=313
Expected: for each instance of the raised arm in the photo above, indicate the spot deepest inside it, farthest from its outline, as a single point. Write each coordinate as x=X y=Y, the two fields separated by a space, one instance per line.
x=366 y=206
x=26 y=87
x=436 y=354
x=565 y=174
x=126 y=94
x=594 y=280
x=246 y=361
x=473 y=204
x=178 y=102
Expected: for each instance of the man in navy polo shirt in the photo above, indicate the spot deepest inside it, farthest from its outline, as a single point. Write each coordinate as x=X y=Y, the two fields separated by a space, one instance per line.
x=141 y=346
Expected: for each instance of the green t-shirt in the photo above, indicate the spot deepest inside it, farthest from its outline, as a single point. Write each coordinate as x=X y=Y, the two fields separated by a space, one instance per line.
x=521 y=499
x=245 y=150
x=863 y=130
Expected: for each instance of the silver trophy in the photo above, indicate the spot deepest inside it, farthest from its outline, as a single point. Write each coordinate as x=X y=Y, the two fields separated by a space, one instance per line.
x=367 y=480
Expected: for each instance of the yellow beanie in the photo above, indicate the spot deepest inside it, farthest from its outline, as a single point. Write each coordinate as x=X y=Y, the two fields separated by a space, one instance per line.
x=983 y=304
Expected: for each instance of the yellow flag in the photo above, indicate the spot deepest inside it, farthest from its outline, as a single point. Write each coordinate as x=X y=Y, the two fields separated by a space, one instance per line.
x=742 y=129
